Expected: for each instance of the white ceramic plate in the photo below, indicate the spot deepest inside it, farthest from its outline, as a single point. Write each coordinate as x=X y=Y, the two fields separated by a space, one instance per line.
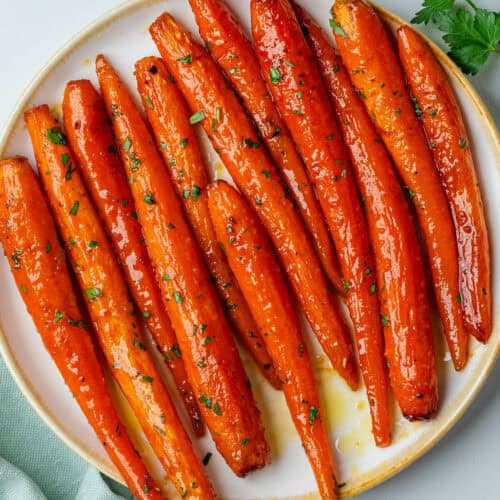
x=122 y=35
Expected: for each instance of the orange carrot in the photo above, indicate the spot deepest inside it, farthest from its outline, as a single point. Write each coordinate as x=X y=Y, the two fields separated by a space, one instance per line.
x=400 y=273
x=91 y=138
x=236 y=141
x=305 y=107
x=256 y=268
x=38 y=264
x=212 y=361
x=450 y=145
x=169 y=118
x=232 y=50
x=369 y=56
x=110 y=308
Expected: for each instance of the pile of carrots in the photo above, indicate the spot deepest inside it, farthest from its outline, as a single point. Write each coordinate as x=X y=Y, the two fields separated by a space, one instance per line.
x=339 y=157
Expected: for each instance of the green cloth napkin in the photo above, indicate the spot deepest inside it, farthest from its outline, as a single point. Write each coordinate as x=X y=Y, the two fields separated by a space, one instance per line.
x=35 y=464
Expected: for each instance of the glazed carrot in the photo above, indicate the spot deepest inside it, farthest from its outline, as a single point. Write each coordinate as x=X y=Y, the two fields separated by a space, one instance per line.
x=256 y=268
x=212 y=361
x=450 y=145
x=170 y=121
x=295 y=82
x=232 y=50
x=369 y=56
x=38 y=264
x=236 y=141
x=110 y=309
x=90 y=137
x=400 y=273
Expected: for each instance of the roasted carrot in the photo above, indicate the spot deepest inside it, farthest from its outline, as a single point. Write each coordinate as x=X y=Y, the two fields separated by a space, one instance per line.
x=236 y=141
x=170 y=121
x=228 y=44
x=38 y=264
x=450 y=146
x=91 y=139
x=212 y=361
x=295 y=82
x=375 y=71
x=400 y=273
x=256 y=268
x=110 y=308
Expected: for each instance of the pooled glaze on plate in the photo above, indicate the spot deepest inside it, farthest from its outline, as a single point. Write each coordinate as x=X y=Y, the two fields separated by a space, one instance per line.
x=122 y=36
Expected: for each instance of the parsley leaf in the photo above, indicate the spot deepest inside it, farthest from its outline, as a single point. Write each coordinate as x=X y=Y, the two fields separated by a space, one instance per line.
x=471 y=35
x=430 y=9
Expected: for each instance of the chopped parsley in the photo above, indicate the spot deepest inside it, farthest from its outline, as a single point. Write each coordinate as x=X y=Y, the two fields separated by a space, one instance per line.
x=74 y=208
x=149 y=199
x=93 y=293
x=197 y=117
x=313 y=414
x=175 y=349
x=186 y=59
x=275 y=75
x=55 y=136
x=251 y=144
x=336 y=27
x=127 y=144
x=59 y=316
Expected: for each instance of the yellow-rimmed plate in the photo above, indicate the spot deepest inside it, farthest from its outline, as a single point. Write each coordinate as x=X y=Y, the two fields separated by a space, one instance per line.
x=122 y=35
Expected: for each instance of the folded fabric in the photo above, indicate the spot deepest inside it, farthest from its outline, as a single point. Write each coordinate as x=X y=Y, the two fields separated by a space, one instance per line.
x=35 y=463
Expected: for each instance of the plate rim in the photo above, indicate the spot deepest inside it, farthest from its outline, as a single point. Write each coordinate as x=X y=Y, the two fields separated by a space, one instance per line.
x=17 y=372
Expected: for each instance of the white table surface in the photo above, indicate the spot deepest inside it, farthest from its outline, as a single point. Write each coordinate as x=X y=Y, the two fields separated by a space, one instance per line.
x=466 y=463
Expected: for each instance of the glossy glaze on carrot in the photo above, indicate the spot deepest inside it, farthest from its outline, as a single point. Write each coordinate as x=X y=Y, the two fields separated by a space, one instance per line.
x=304 y=104
x=368 y=53
x=109 y=306
x=228 y=44
x=38 y=264
x=91 y=139
x=252 y=259
x=236 y=140
x=450 y=146
x=401 y=283
x=212 y=361
x=170 y=119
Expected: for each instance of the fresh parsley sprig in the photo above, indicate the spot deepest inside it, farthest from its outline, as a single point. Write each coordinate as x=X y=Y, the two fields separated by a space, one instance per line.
x=471 y=35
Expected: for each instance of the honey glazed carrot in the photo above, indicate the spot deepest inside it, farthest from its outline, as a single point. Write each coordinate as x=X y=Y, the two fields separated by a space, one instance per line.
x=400 y=273
x=211 y=359
x=91 y=139
x=38 y=264
x=226 y=41
x=445 y=129
x=257 y=269
x=369 y=56
x=109 y=306
x=236 y=140
x=174 y=132
x=295 y=82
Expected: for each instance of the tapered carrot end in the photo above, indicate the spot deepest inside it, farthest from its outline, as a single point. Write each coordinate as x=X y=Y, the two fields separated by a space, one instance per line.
x=383 y=441
x=460 y=353
x=31 y=113
x=101 y=63
x=146 y=63
x=163 y=23
x=169 y=34
x=147 y=67
x=481 y=330
x=351 y=375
